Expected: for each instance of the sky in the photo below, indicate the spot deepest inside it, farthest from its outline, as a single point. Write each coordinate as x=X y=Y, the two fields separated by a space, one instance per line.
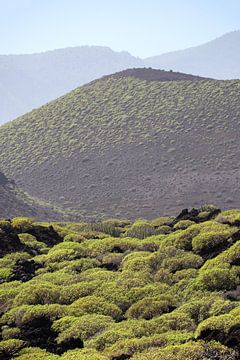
x=142 y=27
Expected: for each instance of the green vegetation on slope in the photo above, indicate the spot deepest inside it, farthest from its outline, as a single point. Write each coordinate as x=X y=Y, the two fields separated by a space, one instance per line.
x=179 y=139
x=165 y=289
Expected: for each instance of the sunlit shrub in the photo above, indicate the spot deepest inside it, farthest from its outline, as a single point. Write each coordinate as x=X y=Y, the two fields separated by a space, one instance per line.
x=22 y=223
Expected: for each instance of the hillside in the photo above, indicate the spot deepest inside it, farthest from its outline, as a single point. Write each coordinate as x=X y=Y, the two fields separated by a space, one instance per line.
x=218 y=59
x=15 y=202
x=28 y=81
x=116 y=290
x=121 y=146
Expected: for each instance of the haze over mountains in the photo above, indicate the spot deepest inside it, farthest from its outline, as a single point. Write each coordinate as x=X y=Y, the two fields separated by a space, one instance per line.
x=128 y=146
x=28 y=81
x=219 y=59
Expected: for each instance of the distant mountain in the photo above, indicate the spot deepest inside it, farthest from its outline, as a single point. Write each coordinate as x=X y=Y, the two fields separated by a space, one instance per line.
x=124 y=146
x=218 y=59
x=28 y=81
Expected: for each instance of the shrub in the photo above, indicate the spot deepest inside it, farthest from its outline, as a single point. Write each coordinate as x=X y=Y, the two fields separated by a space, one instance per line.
x=69 y=294
x=26 y=313
x=94 y=305
x=10 y=332
x=84 y=354
x=183 y=224
x=231 y=217
x=161 y=221
x=74 y=237
x=201 y=308
x=148 y=308
x=176 y=320
x=36 y=354
x=189 y=351
x=8 y=348
x=127 y=347
x=219 y=325
x=140 y=229
x=164 y=276
x=182 y=261
x=218 y=279
x=206 y=242
x=22 y=223
x=32 y=243
x=83 y=327
x=33 y=294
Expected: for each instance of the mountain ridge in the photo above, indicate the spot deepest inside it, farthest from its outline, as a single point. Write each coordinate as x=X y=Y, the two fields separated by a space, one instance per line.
x=31 y=80
x=217 y=58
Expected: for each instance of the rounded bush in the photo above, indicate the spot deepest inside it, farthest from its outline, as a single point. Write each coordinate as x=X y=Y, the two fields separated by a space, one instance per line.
x=148 y=308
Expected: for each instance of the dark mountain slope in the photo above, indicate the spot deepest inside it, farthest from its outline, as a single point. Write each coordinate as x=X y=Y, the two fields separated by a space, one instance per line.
x=218 y=59
x=130 y=147
x=14 y=202
x=28 y=81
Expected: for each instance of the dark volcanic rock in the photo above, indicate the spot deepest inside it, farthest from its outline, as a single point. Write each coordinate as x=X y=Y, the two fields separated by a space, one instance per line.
x=24 y=270
x=45 y=234
x=10 y=242
x=38 y=333
x=193 y=215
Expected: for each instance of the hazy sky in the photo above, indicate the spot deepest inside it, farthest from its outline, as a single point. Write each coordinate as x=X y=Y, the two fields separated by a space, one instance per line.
x=142 y=27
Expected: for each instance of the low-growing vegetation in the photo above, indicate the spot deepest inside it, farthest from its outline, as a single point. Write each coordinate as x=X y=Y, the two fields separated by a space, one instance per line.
x=117 y=289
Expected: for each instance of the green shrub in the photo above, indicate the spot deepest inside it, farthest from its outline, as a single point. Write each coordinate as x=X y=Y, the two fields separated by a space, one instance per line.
x=83 y=327
x=33 y=294
x=183 y=224
x=218 y=279
x=84 y=354
x=36 y=354
x=161 y=221
x=10 y=332
x=148 y=308
x=94 y=305
x=206 y=242
x=32 y=242
x=22 y=223
x=140 y=229
x=8 y=348
x=69 y=294
x=74 y=237
x=23 y=314
x=182 y=261
x=229 y=217
x=189 y=351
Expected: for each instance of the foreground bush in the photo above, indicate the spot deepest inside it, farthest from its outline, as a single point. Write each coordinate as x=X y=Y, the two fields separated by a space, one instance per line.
x=86 y=294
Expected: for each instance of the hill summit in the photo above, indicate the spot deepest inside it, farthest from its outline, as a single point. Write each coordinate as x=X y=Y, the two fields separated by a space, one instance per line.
x=150 y=74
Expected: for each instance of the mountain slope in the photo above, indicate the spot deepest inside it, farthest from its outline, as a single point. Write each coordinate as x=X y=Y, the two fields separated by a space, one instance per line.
x=14 y=202
x=123 y=146
x=28 y=81
x=218 y=59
